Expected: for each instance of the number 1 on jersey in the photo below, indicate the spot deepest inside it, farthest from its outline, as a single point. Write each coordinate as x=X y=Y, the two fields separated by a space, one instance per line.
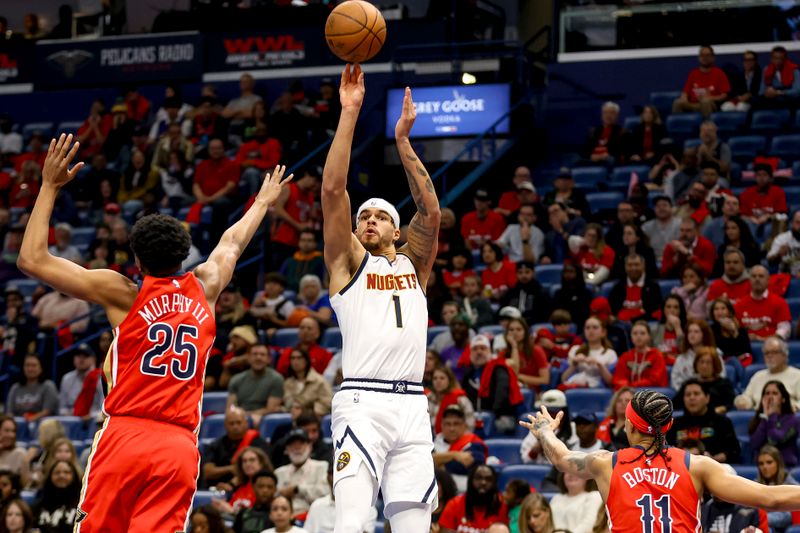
x=648 y=515
x=397 y=313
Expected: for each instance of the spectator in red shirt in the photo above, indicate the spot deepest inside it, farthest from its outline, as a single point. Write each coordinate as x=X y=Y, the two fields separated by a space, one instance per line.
x=781 y=87
x=510 y=200
x=94 y=130
x=36 y=152
x=762 y=313
x=478 y=508
x=635 y=297
x=643 y=365
x=645 y=138
x=207 y=122
x=258 y=155
x=215 y=182
x=307 y=337
x=500 y=274
x=25 y=187
x=460 y=267
x=557 y=343
x=483 y=224
x=138 y=106
x=694 y=206
x=294 y=211
x=528 y=360
x=706 y=87
x=690 y=247
x=593 y=254
x=605 y=142
x=735 y=281
x=760 y=202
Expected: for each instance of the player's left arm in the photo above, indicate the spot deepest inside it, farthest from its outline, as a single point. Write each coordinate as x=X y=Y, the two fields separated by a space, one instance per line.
x=581 y=464
x=423 y=230
x=217 y=271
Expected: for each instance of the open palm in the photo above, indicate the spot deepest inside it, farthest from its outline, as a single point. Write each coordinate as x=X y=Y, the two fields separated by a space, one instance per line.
x=351 y=88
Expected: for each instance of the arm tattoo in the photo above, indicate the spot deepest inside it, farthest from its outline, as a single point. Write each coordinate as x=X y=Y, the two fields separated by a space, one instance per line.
x=411 y=157
x=416 y=194
x=429 y=186
x=421 y=170
x=578 y=461
x=421 y=239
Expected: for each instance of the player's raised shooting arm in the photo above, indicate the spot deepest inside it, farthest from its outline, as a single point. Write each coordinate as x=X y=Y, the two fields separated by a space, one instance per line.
x=423 y=230
x=340 y=242
x=217 y=271
x=104 y=287
x=735 y=489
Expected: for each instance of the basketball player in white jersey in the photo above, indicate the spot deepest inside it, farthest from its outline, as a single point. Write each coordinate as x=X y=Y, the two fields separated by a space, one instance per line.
x=381 y=429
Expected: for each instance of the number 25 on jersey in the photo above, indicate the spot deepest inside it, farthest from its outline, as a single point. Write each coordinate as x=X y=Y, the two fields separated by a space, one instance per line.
x=173 y=351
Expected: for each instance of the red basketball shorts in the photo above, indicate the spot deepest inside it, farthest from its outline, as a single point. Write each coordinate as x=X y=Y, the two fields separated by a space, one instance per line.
x=141 y=478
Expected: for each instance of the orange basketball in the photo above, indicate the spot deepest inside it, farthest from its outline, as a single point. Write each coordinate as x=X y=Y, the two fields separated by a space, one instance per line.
x=355 y=31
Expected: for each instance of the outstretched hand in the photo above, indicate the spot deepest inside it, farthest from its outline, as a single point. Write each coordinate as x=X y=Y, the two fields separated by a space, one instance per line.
x=409 y=113
x=56 y=171
x=351 y=88
x=273 y=184
x=541 y=421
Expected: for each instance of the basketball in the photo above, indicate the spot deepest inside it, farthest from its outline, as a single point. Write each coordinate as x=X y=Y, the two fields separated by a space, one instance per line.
x=355 y=31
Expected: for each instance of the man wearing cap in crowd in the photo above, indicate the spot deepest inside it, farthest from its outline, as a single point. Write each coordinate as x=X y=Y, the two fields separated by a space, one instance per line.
x=530 y=449
x=222 y=367
x=523 y=240
x=511 y=200
x=504 y=316
x=564 y=192
x=482 y=224
x=81 y=390
x=456 y=449
x=490 y=384
x=528 y=295
x=304 y=479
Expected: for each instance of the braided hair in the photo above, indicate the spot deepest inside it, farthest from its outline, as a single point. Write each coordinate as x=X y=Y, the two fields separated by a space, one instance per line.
x=656 y=409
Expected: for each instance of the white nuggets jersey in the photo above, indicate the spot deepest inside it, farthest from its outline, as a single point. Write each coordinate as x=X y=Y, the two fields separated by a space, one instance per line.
x=383 y=317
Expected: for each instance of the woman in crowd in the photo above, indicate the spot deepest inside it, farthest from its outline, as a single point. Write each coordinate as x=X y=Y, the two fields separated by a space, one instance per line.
x=698 y=335
x=575 y=507
x=281 y=513
x=10 y=487
x=515 y=492
x=645 y=137
x=62 y=449
x=499 y=275
x=432 y=361
x=460 y=266
x=206 y=519
x=588 y=363
x=56 y=509
x=445 y=391
x=729 y=334
x=12 y=457
x=772 y=471
x=693 y=291
x=739 y=236
x=775 y=423
x=573 y=295
x=306 y=386
x=593 y=254
x=642 y=365
x=635 y=242
x=35 y=397
x=612 y=429
x=50 y=430
x=668 y=335
x=535 y=515
x=17 y=517
x=248 y=462
x=447 y=491
x=708 y=369
x=528 y=361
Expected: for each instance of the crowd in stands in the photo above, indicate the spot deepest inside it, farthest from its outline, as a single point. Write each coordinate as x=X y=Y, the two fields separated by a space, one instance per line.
x=688 y=284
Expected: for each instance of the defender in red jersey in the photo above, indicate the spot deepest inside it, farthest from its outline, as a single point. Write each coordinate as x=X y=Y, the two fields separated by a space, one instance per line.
x=651 y=487
x=142 y=472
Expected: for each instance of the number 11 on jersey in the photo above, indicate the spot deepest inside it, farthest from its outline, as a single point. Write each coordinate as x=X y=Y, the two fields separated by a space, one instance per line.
x=648 y=513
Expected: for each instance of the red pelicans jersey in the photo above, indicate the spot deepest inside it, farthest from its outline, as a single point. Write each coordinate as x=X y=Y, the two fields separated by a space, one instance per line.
x=652 y=498
x=157 y=362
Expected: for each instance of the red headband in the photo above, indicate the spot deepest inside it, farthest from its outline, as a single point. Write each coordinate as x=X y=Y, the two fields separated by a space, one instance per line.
x=641 y=424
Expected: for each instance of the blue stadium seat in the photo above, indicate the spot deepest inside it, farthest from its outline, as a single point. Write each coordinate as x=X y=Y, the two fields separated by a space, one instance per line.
x=285 y=337
x=787 y=147
x=332 y=338
x=751 y=370
x=485 y=420
x=325 y=424
x=29 y=496
x=68 y=127
x=269 y=423
x=662 y=100
x=793 y=529
x=684 y=125
x=667 y=285
x=203 y=444
x=746 y=453
x=746 y=147
x=757 y=351
x=792 y=195
x=794 y=289
x=23 y=429
x=588 y=399
x=631 y=122
x=435 y=330
x=202 y=497
x=740 y=421
x=83 y=237
x=214 y=403
x=507 y=450
x=605 y=288
x=746 y=471
x=45 y=128
x=604 y=200
x=622 y=174
x=533 y=474
x=528 y=397
x=794 y=352
x=730 y=122
x=588 y=177
x=691 y=143
x=794 y=305
x=492 y=330
x=549 y=274
x=212 y=427
x=74 y=426
x=769 y=120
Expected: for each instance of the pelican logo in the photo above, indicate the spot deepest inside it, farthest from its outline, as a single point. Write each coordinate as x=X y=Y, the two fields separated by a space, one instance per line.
x=175 y=282
x=400 y=387
x=342 y=461
x=69 y=61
